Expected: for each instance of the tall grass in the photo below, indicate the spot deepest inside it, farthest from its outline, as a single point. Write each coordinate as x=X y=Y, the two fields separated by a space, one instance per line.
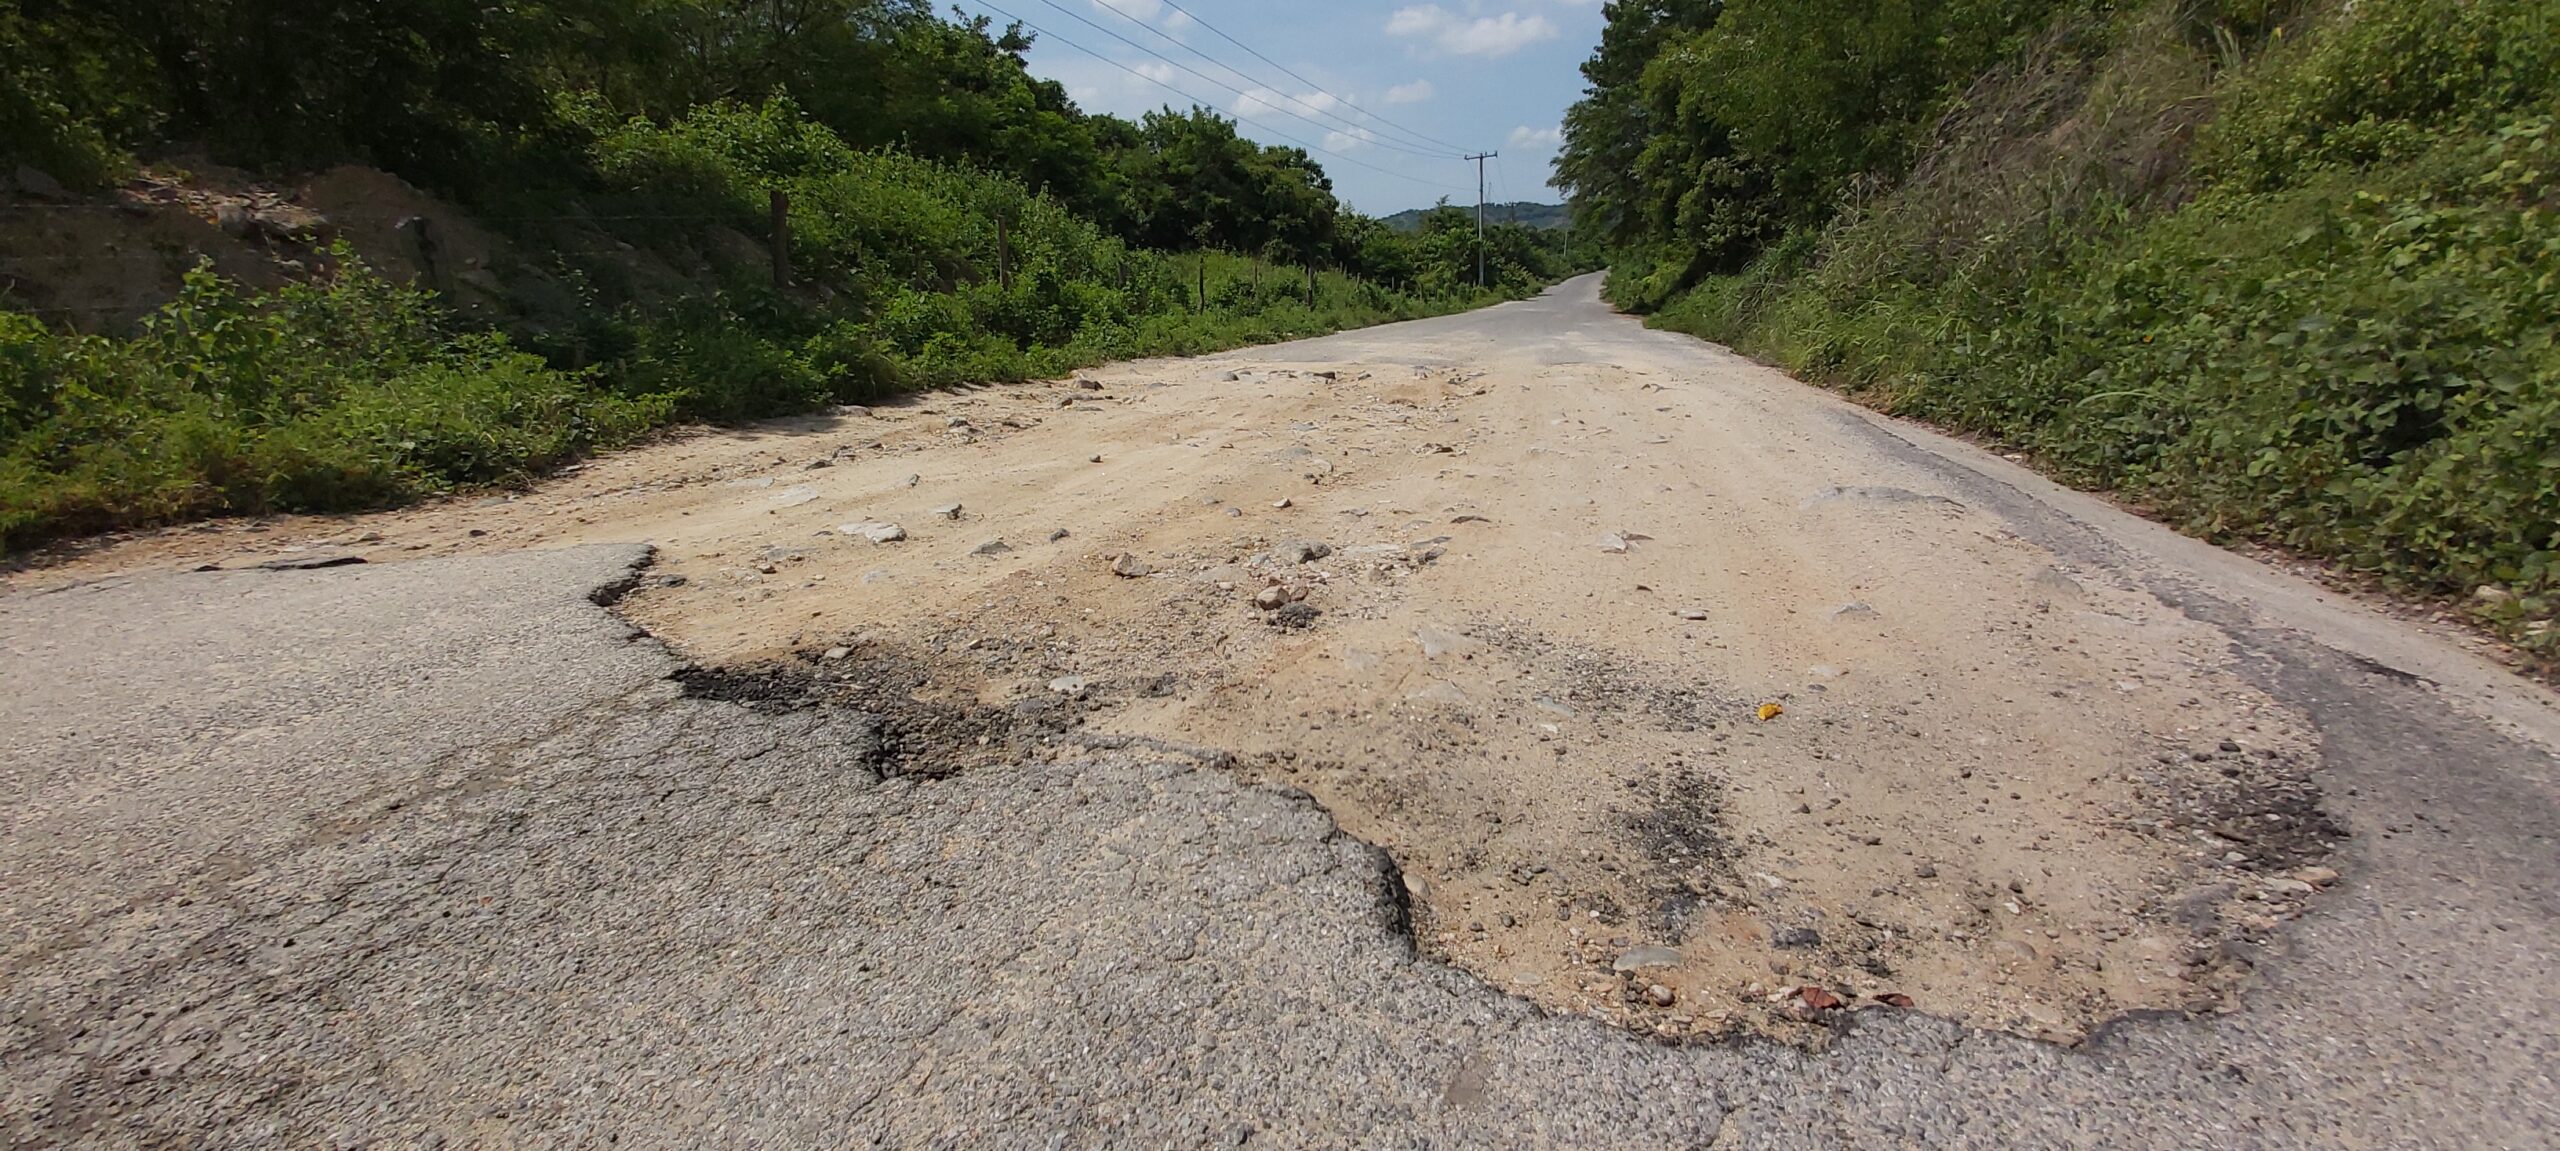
x=2284 y=281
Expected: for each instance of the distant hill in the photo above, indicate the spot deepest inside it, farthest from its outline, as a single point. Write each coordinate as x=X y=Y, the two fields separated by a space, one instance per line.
x=1520 y=212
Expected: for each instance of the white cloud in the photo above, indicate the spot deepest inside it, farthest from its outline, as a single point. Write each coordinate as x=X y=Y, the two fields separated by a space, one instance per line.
x=1099 y=87
x=1457 y=35
x=1269 y=104
x=1345 y=141
x=1156 y=12
x=1142 y=11
x=1536 y=139
x=1413 y=93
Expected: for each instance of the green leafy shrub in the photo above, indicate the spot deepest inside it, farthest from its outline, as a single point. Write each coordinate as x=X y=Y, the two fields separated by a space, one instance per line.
x=343 y=394
x=2333 y=332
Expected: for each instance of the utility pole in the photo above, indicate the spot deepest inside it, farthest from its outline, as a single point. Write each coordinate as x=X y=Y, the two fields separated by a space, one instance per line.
x=1480 y=158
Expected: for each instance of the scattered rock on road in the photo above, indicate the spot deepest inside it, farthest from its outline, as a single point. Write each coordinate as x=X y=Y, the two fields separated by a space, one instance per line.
x=1129 y=566
x=1796 y=938
x=1295 y=552
x=1639 y=958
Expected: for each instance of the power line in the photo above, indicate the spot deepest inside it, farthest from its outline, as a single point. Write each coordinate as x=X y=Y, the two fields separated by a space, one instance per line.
x=1240 y=93
x=1197 y=101
x=1366 y=132
x=1284 y=70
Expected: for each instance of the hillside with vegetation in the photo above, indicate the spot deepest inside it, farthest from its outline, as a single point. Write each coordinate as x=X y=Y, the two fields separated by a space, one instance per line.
x=333 y=254
x=1525 y=213
x=2277 y=270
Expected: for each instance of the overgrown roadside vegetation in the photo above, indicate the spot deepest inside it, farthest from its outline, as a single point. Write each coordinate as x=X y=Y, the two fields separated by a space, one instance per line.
x=950 y=219
x=2278 y=271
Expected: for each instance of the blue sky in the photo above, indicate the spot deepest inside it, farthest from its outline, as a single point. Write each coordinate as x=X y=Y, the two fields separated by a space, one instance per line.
x=1393 y=89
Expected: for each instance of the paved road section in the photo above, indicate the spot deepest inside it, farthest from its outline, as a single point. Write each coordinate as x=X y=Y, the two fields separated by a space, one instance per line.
x=437 y=854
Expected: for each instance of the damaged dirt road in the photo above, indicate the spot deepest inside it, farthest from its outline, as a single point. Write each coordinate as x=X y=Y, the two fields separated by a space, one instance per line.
x=1679 y=695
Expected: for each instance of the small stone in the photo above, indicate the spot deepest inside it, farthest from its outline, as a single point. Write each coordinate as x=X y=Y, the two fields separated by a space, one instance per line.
x=1614 y=544
x=837 y=653
x=765 y=567
x=1271 y=598
x=1284 y=503
x=875 y=531
x=1057 y=535
x=2014 y=951
x=1638 y=959
x=1853 y=610
x=1294 y=617
x=958 y=422
x=2317 y=876
x=1301 y=551
x=1129 y=566
x=1093 y=459
x=948 y=511
x=1795 y=938
x=1068 y=685
x=2491 y=595
x=1089 y=385
x=991 y=548
x=39 y=183
x=1926 y=871
x=1692 y=614
x=911 y=480
x=1660 y=995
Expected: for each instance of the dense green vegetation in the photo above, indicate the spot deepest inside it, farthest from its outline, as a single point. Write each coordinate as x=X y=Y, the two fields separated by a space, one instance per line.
x=2278 y=270
x=952 y=218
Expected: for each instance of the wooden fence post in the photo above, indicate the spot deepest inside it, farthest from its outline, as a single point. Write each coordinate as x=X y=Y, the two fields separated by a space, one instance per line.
x=1004 y=257
x=781 y=204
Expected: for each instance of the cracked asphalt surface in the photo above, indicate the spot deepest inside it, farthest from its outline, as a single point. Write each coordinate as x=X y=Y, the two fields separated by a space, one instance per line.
x=438 y=854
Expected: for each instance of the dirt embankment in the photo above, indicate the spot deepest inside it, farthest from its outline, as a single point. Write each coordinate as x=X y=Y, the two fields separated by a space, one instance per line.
x=102 y=263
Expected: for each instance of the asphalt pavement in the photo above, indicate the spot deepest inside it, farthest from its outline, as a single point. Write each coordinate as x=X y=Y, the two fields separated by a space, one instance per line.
x=439 y=854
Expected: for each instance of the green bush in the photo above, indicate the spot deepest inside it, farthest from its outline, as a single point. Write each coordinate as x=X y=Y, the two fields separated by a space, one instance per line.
x=343 y=394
